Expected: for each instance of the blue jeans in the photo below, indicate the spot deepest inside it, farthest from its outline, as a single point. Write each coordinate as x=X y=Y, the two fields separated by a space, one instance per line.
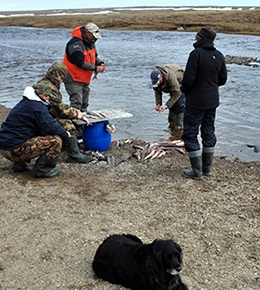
x=195 y=119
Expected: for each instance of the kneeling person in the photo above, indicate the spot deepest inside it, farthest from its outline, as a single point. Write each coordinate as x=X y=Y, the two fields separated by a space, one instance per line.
x=63 y=113
x=30 y=131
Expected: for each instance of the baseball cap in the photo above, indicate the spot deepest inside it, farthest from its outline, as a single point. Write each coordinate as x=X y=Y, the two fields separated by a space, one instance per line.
x=155 y=78
x=94 y=29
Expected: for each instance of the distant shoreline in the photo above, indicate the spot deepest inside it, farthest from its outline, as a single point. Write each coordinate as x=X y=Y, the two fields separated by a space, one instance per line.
x=231 y=20
x=129 y=9
x=134 y=8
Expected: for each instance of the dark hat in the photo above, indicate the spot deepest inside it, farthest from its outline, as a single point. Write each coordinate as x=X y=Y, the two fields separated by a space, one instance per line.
x=206 y=32
x=43 y=89
x=155 y=77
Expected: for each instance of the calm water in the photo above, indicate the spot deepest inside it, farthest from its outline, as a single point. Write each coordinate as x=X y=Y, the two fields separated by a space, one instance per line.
x=26 y=54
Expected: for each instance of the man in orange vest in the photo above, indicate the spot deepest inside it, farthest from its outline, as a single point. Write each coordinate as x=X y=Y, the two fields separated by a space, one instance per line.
x=81 y=61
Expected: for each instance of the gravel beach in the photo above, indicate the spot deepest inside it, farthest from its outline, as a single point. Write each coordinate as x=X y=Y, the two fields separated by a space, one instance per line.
x=50 y=229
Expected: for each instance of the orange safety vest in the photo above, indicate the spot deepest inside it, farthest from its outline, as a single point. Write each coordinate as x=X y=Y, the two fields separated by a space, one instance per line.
x=78 y=74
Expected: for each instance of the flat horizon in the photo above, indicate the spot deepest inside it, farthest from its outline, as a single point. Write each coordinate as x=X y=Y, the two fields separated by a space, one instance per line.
x=140 y=8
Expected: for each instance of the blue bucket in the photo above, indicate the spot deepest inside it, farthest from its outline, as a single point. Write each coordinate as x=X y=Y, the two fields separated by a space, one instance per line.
x=95 y=136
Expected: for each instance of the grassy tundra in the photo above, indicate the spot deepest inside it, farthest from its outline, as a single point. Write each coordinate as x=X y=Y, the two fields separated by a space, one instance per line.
x=235 y=21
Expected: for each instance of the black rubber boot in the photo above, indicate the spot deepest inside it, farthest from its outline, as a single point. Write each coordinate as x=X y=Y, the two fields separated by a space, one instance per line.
x=196 y=164
x=207 y=158
x=79 y=131
x=21 y=166
x=45 y=167
x=179 y=121
x=74 y=154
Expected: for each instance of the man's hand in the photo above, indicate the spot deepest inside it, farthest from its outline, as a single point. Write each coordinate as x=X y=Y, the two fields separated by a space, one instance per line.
x=68 y=134
x=157 y=108
x=80 y=116
x=101 y=68
x=160 y=108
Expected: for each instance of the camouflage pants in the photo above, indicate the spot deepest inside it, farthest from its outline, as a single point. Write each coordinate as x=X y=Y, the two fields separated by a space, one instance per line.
x=32 y=148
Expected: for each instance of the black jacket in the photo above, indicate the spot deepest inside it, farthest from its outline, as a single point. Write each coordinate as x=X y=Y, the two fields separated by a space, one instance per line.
x=205 y=72
x=29 y=118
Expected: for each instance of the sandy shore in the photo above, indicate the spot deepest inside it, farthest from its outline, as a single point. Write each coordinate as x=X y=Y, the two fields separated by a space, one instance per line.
x=50 y=229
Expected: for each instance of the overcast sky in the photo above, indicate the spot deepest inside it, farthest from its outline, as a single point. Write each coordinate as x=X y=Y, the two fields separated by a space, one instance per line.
x=22 y=5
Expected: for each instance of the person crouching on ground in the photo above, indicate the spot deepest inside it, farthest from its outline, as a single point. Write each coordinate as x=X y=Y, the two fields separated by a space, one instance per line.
x=63 y=113
x=167 y=78
x=29 y=131
x=205 y=72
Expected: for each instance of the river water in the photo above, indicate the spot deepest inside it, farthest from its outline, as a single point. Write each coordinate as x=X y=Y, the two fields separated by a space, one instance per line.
x=26 y=54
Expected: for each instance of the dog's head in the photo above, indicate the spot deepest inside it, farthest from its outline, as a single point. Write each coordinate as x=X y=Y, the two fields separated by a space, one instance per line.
x=169 y=254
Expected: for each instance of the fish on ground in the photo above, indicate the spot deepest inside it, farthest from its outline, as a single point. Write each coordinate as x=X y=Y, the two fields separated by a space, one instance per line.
x=157 y=149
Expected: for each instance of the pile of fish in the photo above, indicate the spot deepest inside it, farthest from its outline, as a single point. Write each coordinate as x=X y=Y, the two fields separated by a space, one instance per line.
x=143 y=150
x=90 y=116
x=157 y=149
x=109 y=159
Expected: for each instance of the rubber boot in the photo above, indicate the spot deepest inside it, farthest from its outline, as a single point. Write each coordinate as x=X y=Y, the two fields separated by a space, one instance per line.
x=179 y=121
x=45 y=167
x=74 y=154
x=171 y=117
x=21 y=166
x=207 y=158
x=79 y=131
x=196 y=164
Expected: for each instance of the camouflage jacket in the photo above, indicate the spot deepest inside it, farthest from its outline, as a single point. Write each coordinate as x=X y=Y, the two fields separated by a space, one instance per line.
x=52 y=79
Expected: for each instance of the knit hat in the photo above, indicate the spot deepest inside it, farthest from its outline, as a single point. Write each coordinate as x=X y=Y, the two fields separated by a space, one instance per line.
x=43 y=89
x=94 y=29
x=155 y=78
x=206 y=32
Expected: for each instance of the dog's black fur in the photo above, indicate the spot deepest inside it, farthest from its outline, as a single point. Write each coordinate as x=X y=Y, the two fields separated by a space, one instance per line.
x=125 y=260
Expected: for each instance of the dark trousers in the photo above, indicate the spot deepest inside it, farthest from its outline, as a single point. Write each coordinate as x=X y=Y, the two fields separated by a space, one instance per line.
x=195 y=119
x=179 y=106
x=79 y=95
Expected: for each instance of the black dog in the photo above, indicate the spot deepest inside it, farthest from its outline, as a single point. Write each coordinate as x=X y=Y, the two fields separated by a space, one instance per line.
x=125 y=260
